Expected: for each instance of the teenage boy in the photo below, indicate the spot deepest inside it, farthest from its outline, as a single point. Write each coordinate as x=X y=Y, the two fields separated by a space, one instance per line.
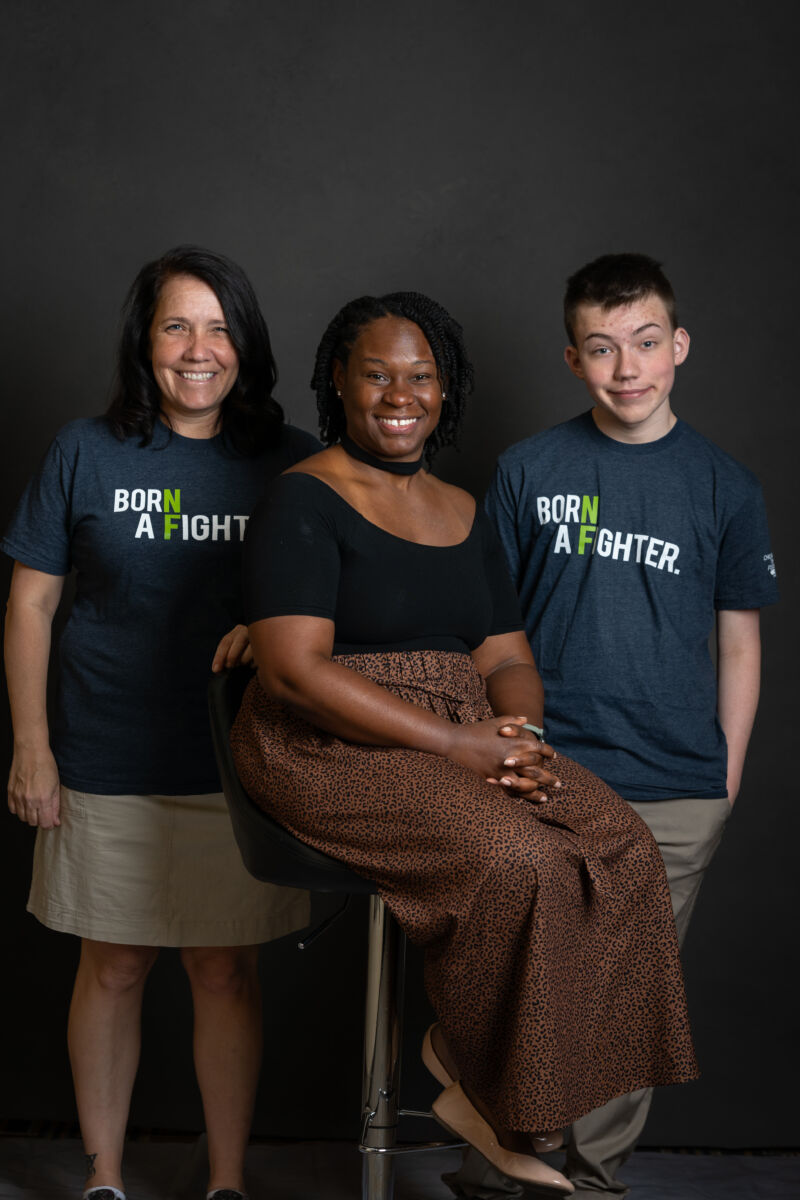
x=627 y=534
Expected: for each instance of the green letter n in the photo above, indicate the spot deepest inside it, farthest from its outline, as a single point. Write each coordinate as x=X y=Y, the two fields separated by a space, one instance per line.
x=589 y=510
x=172 y=500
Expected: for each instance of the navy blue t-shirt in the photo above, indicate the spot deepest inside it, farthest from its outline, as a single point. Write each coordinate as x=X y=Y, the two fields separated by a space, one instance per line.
x=621 y=554
x=155 y=537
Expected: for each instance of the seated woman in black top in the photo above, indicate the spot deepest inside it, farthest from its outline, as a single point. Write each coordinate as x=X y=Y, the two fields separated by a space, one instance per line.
x=396 y=724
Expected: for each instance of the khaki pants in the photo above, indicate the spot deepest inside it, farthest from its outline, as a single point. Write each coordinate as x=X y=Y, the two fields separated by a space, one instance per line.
x=688 y=832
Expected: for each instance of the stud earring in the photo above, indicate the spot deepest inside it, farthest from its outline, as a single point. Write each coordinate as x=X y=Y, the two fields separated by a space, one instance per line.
x=339 y=394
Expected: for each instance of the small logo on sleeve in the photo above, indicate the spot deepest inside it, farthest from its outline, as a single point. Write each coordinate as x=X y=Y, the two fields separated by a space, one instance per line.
x=769 y=559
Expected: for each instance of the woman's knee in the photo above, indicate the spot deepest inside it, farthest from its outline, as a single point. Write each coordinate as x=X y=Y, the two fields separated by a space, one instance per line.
x=221 y=970
x=116 y=968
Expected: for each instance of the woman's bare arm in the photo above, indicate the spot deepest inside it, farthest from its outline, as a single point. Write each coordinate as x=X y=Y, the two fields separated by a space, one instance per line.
x=33 y=784
x=513 y=685
x=293 y=655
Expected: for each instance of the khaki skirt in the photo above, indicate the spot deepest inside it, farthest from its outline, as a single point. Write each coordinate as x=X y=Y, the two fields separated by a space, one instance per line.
x=154 y=871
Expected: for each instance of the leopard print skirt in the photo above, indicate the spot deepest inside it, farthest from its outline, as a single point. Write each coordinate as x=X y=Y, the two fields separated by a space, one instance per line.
x=550 y=951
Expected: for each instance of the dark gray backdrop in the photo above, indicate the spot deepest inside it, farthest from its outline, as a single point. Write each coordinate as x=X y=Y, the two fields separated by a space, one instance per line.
x=479 y=152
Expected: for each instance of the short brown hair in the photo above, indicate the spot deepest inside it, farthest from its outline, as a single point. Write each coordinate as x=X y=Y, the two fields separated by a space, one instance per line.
x=615 y=280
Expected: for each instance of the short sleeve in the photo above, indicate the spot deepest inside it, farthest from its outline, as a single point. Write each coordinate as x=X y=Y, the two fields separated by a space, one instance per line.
x=746 y=576
x=39 y=534
x=292 y=559
x=500 y=505
x=506 y=615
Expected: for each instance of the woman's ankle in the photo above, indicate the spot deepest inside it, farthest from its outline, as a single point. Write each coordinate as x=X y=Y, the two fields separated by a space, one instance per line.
x=103 y=1171
x=442 y=1051
x=509 y=1139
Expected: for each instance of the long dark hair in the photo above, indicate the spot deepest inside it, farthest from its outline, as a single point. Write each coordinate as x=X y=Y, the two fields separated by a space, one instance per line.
x=250 y=417
x=444 y=336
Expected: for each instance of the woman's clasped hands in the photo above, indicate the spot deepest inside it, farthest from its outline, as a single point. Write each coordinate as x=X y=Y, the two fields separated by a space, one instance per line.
x=516 y=764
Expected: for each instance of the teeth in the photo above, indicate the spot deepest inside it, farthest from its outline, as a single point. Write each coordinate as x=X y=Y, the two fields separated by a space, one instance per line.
x=398 y=422
x=197 y=376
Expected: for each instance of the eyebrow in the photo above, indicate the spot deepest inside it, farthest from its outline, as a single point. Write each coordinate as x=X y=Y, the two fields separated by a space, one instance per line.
x=210 y=321
x=416 y=363
x=641 y=329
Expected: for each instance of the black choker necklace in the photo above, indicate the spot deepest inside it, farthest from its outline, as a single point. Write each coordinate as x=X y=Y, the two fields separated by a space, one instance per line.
x=394 y=468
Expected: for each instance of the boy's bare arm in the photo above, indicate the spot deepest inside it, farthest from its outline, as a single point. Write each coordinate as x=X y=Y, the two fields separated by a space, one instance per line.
x=738 y=684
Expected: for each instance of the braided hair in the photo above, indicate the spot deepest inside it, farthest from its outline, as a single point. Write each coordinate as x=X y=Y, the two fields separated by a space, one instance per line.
x=444 y=336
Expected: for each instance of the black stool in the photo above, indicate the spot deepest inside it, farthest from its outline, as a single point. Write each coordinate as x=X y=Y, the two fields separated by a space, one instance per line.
x=273 y=855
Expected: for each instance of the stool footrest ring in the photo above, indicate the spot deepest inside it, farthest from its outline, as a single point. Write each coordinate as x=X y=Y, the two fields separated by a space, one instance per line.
x=412 y=1147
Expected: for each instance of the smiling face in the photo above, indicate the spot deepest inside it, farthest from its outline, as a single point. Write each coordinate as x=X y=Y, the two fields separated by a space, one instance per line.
x=627 y=357
x=390 y=389
x=194 y=361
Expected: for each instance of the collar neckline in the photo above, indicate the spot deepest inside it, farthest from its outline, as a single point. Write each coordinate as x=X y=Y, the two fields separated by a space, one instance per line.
x=633 y=449
x=380 y=464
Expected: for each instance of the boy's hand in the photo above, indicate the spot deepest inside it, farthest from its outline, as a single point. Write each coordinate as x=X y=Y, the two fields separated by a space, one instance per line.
x=733 y=785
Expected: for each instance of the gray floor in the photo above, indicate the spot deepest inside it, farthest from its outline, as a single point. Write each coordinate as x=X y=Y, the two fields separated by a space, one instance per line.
x=50 y=1169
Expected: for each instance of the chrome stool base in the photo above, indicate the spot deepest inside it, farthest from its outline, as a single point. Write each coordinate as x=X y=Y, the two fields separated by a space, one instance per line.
x=382 y=1041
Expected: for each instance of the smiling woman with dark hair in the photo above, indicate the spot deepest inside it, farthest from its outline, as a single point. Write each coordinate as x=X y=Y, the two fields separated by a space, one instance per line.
x=134 y=847
x=396 y=724
x=249 y=417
